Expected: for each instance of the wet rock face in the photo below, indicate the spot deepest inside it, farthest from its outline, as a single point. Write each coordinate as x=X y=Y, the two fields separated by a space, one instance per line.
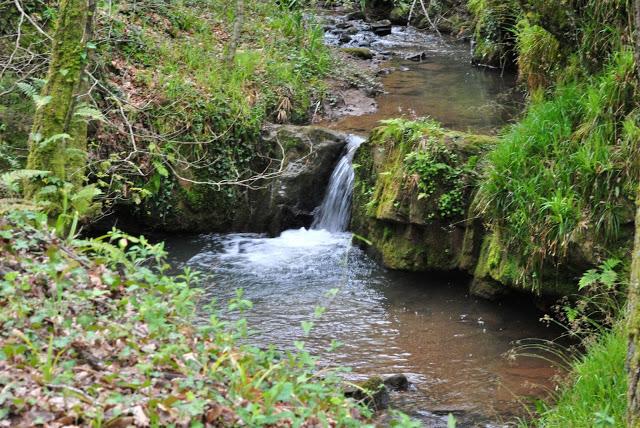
x=289 y=200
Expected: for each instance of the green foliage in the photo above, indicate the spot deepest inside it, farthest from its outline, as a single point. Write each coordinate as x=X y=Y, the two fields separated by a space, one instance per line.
x=566 y=171
x=605 y=276
x=493 y=21
x=538 y=55
x=436 y=167
x=595 y=392
x=405 y=130
x=99 y=322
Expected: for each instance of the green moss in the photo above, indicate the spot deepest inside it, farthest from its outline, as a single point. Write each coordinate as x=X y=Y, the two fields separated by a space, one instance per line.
x=49 y=148
x=494 y=263
x=408 y=229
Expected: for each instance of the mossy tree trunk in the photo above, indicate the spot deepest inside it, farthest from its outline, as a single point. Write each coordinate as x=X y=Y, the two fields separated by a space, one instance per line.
x=238 y=23
x=633 y=351
x=48 y=150
x=633 y=357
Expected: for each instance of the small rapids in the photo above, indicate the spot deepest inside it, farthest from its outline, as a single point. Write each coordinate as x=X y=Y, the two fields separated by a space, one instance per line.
x=450 y=345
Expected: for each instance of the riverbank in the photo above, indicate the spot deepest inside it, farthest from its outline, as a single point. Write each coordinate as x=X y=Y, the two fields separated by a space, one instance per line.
x=93 y=332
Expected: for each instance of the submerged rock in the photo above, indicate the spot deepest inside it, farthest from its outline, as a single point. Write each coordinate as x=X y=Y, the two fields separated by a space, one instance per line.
x=371 y=392
x=361 y=53
x=417 y=57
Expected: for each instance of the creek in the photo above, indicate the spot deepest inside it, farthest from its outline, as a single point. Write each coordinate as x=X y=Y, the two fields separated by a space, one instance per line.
x=453 y=347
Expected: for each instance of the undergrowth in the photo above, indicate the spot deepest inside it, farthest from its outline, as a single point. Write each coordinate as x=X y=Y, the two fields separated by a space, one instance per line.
x=594 y=394
x=94 y=332
x=179 y=120
x=565 y=173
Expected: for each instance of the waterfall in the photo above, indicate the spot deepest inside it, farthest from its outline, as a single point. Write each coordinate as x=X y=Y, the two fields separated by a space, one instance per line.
x=334 y=212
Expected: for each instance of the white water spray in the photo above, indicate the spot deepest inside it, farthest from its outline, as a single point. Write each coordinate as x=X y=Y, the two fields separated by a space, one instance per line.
x=334 y=212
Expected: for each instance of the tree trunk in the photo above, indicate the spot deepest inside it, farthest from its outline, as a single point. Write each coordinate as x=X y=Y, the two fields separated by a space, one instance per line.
x=633 y=359
x=64 y=157
x=237 y=31
x=633 y=351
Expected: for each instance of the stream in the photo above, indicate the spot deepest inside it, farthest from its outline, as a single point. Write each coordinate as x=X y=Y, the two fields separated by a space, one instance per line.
x=452 y=347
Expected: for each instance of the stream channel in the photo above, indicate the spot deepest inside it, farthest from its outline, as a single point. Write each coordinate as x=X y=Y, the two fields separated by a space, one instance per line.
x=450 y=345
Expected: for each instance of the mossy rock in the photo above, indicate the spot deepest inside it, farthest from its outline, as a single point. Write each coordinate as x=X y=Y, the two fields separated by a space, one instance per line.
x=360 y=53
x=407 y=230
x=284 y=201
x=499 y=271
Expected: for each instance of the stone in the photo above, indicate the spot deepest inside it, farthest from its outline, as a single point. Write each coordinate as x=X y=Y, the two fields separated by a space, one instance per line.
x=371 y=392
x=381 y=28
x=399 y=15
x=354 y=16
x=288 y=201
x=361 y=53
x=398 y=382
x=345 y=38
x=417 y=57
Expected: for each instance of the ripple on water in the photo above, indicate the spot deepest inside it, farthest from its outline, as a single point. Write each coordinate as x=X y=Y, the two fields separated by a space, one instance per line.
x=449 y=344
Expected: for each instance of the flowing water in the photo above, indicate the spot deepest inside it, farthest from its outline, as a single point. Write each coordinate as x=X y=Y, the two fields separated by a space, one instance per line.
x=453 y=347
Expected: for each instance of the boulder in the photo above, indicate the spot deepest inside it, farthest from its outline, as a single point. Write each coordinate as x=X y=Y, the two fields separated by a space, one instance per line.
x=288 y=201
x=398 y=382
x=381 y=28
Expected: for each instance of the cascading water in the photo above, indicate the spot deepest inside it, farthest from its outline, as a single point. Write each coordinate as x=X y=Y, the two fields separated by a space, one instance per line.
x=334 y=212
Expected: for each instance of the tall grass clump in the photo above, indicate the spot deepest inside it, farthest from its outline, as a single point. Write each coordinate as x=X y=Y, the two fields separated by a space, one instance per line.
x=595 y=392
x=565 y=174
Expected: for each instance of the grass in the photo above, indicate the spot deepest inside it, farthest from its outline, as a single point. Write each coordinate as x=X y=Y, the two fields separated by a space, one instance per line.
x=192 y=114
x=595 y=392
x=564 y=172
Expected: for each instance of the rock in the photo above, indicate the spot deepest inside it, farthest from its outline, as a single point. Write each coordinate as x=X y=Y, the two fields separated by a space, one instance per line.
x=351 y=30
x=288 y=201
x=362 y=53
x=372 y=392
x=407 y=231
x=353 y=16
x=397 y=382
x=345 y=38
x=381 y=28
x=417 y=57
x=399 y=15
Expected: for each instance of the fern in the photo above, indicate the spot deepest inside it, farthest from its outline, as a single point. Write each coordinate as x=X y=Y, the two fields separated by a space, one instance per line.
x=87 y=112
x=10 y=181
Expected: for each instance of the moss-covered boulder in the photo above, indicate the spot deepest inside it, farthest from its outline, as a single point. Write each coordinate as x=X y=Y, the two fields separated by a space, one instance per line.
x=414 y=183
x=298 y=161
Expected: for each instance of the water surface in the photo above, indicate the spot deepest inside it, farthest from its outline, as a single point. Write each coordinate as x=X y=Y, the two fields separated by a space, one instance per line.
x=450 y=345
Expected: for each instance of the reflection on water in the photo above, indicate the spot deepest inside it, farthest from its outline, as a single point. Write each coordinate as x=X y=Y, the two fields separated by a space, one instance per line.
x=449 y=344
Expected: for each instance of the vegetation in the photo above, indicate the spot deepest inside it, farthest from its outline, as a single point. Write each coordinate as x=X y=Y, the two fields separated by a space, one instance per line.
x=158 y=107
x=594 y=395
x=180 y=125
x=95 y=333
